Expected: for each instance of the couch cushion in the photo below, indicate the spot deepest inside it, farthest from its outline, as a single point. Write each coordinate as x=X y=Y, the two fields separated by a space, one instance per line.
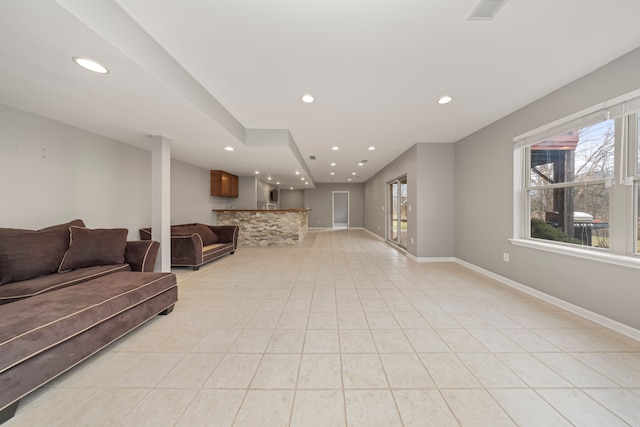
x=35 y=324
x=216 y=250
x=27 y=288
x=89 y=248
x=206 y=234
x=25 y=254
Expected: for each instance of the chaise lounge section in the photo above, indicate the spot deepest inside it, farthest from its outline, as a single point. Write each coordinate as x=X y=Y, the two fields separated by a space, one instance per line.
x=54 y=317
x=193 y=245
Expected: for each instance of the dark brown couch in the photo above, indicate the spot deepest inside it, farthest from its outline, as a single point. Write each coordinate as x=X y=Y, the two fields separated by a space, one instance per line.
x=65 y=293
x=193 y=245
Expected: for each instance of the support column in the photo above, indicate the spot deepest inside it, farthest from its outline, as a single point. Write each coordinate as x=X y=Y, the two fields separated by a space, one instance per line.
x=161 y=200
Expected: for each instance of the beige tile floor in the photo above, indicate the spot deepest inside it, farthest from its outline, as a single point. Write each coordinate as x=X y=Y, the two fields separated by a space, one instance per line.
x=345 y=330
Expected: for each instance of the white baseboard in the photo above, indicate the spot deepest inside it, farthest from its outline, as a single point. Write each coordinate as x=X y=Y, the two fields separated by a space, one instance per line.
x=374 y=235
x=339 y=228
x=589 y=315
x=430 y=259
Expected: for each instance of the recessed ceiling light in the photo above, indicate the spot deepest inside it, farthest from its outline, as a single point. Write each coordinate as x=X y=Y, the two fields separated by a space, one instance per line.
x=445 y=100
x=297 y=173
x=333 y=164
x=335 y=148
x=308 y=99
x=278 y=183
x=372 y=148
x=349 y=179
x=90 y=65
x=353 y=173
x=257 y=172
x=290 y=188
x=302 y=179
x=332 y=173
x=228 y=148
x=269 y=178
x=360 y=164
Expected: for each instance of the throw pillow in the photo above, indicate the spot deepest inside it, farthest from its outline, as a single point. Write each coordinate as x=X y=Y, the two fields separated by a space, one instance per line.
x=91 y=247
x=26 y=254
x=207 y=236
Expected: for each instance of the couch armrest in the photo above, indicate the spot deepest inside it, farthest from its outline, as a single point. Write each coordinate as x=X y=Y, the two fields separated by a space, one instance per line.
x=226 y=233
x=145 y=233
x=141 y=254
x=186 y=249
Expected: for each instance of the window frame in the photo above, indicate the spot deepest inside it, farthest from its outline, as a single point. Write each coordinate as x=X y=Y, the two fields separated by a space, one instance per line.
x=624 y=187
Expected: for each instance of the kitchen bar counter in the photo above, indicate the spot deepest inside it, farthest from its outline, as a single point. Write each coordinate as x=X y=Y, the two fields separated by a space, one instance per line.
x=266 y=227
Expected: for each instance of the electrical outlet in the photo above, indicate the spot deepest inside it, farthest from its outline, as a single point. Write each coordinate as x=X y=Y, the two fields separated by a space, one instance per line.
x=505 y=256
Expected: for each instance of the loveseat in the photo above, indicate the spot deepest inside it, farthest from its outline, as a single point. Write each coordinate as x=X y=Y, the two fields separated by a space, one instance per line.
x=193 y=245
x=66 y=292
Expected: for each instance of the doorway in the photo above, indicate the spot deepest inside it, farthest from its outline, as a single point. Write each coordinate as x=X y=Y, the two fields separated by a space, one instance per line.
x=340 y=209
x=397 y=212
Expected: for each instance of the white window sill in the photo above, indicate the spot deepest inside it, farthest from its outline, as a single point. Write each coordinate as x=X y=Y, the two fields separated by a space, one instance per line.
x=630 y=261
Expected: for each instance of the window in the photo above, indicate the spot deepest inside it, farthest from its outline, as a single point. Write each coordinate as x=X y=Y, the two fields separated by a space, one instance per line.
x=578 y=183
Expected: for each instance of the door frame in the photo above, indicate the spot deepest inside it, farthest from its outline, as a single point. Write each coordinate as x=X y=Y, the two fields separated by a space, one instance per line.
x=333 y=207
x=389 y=211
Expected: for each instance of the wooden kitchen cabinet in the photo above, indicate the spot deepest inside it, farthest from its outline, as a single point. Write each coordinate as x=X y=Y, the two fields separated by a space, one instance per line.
x=224 y=184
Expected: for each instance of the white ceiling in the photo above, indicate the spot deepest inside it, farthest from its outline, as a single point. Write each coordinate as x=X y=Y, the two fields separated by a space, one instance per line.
x=210 y=73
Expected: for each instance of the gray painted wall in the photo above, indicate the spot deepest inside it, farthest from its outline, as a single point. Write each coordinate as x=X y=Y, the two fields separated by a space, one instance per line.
x=484 y=203
x=375 y=194
x=291 y=199
x=264 y=194
x=435 y=200
x=430 y=173
x=320 y=199
x=247 y=194
x=191 y=199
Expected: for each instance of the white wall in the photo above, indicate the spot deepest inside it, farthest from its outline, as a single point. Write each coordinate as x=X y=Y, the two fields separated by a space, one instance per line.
x=51 y=173
x=484 y=203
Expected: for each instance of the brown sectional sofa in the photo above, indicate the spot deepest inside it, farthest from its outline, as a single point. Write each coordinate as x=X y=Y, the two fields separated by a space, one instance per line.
x=193 y=245
x=54 y=317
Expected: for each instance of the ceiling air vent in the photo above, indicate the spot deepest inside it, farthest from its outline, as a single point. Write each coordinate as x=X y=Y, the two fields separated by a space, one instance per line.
x=486 y=10
x=312 y=157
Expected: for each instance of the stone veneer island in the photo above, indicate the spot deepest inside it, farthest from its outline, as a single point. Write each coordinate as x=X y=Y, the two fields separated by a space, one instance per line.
x=266 y=227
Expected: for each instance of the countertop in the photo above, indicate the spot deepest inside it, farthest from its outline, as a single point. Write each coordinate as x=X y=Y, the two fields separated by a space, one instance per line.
x=262 y=210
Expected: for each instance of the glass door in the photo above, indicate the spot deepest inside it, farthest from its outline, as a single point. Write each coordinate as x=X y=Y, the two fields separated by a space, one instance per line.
x=397 y=230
